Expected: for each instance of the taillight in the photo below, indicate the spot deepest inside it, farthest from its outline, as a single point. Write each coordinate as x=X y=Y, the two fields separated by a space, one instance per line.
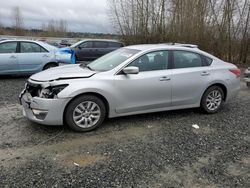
x=236 y=72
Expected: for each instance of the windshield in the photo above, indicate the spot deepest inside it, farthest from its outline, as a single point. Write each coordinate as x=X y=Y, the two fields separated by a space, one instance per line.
x=76 y=44
x=112 y=60
x=50 y=47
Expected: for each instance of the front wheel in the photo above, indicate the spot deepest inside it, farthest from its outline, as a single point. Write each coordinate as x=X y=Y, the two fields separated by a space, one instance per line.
x=212 y=99
x=85 y=113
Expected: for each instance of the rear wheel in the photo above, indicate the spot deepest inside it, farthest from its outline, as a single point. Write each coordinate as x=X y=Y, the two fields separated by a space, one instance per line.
x=212 y=99
x=85 y=113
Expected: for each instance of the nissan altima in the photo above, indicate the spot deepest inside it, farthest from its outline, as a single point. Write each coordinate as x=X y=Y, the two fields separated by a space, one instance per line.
x=131 y=80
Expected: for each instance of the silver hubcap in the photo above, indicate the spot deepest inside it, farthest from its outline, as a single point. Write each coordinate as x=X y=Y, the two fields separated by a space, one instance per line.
x=86 y=114
x=213 y=100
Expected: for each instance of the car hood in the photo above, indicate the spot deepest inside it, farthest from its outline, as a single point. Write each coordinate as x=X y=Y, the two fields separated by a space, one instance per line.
x=62 y=73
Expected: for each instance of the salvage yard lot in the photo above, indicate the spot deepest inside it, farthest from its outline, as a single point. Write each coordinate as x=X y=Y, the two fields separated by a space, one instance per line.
x=151 y=150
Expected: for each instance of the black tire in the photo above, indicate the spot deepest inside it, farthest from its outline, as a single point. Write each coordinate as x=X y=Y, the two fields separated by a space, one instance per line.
x=204 y=103
x=77 y=60
x=50 y=65
x=70 y=112
x=248 y=84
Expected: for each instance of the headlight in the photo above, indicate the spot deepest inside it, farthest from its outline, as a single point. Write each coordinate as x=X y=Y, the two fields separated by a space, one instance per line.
x=51 y=92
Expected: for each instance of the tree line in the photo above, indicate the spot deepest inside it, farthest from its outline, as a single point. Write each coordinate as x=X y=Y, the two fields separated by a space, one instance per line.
x=220 y=27
x=53 y=27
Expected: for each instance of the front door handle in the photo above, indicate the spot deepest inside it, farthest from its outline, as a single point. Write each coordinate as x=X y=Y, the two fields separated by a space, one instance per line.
x=205 y=73
x=164 y=78
x=13 y=57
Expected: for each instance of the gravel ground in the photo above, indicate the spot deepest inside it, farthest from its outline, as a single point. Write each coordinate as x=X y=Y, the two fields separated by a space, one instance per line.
x=152 y=150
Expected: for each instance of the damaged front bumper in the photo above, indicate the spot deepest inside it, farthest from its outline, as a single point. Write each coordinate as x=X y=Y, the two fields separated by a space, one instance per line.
x=42 y=110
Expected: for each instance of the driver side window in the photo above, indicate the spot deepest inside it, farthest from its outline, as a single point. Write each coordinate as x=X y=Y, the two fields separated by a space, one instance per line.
x=29 y=47
x=86 y=45
x=8 y=47
x=152 y=61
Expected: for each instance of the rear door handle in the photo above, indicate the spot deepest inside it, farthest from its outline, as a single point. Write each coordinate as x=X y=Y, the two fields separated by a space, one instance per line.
x=45 y=55
x=164 y=78
x=205 y=73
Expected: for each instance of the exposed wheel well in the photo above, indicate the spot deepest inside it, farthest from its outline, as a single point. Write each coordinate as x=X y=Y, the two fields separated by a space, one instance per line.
x=223 y=87
x=90 y=93
x=50 y=63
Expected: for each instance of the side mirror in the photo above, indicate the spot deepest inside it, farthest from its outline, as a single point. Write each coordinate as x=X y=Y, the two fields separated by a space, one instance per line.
x=131 y=70
x=79 y=47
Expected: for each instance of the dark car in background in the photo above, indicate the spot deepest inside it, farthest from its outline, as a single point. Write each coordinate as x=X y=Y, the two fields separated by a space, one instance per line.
x=247 y=76
x=64 y=43
x=91 y=49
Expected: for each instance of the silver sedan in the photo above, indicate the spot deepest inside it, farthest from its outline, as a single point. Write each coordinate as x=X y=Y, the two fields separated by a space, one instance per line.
x=132 y=80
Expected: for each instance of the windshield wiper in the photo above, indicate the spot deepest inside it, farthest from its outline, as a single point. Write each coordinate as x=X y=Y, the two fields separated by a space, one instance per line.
x=89 y=67
x=82 y=65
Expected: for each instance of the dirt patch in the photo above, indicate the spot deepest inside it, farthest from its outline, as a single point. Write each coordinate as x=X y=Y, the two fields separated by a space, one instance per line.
x=240 y=168
x=8 y=155
x=10 y=113
x=82 y=160
x=188 y=176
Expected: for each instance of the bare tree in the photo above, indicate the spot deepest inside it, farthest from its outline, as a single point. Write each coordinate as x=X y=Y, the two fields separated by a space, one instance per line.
x=245 y=33
x=17 y=21
x=62 y=28
x=220 y=27
x=55 y=28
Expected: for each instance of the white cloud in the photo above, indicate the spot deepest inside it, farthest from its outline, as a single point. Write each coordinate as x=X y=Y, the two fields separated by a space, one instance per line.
x=81 y=15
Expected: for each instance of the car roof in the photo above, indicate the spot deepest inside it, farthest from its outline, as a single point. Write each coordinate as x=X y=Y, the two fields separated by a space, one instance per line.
x=103 y=40
x=43 y=44
x=11 y=40
x=170 y=46
x=143 y=47
x=21 y=40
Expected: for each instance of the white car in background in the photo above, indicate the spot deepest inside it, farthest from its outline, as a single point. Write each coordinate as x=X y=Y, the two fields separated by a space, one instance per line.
x=27 y=57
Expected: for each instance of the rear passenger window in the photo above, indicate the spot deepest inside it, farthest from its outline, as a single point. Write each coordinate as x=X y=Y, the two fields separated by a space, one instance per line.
x=8 y=47
x=152 y=61
x=208 y=60
x=100 y=44
x=28 y=47
x=185 y=59
x=115 y=45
